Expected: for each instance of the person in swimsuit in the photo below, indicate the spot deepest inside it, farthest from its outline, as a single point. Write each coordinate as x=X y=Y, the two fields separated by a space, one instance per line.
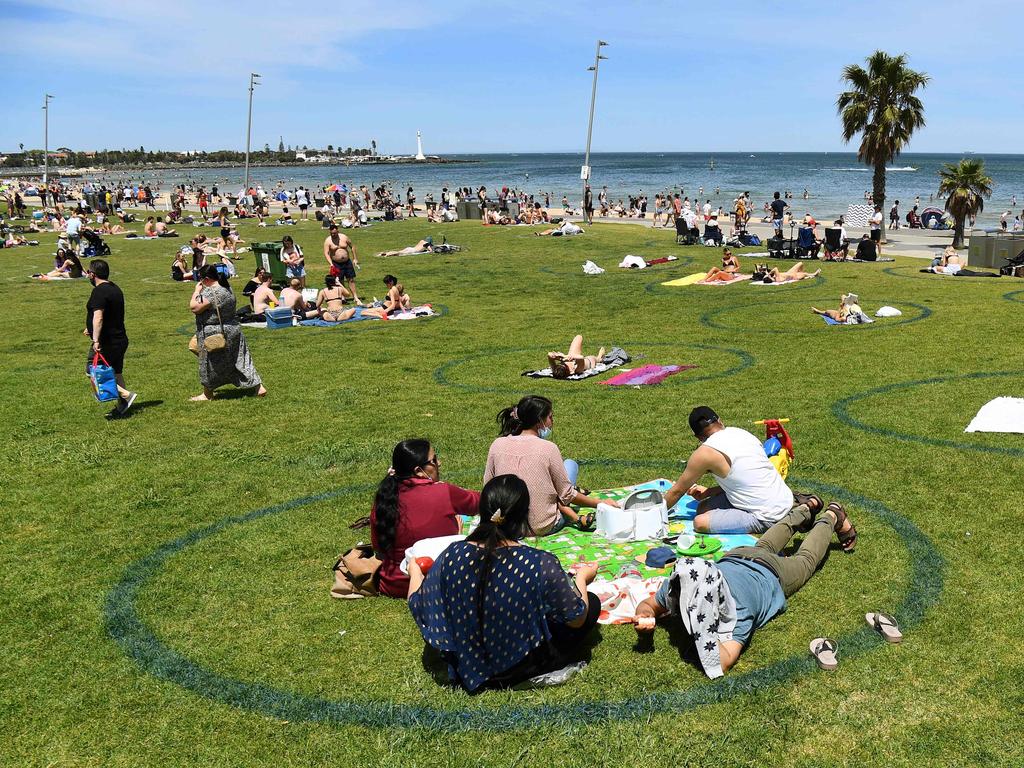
x=263 y=298
x=574 y=361
x=340 y=253
x=849 y=304
x=730 y=268
x=331 y=300
x=149 y=229
x=397 y=299
x=765 y=274
x=423 y=246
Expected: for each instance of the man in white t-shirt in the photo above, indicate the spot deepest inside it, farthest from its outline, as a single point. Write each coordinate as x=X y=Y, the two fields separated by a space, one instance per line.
x=74 y=231
x=750 y=496
x=875 y=222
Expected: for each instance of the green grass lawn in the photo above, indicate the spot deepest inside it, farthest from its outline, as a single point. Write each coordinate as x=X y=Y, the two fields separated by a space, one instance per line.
x=149 y=619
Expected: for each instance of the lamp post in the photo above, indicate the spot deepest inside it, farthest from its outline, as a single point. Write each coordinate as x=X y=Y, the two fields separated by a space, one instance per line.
x=585 y=171
x=46 y=137
x=253 y=82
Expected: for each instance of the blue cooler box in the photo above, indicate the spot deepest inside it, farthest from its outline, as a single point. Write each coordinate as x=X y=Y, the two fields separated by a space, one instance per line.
x=279 y=317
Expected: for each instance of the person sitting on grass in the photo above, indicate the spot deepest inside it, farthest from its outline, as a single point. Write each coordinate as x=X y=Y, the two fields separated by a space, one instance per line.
x=722 y=604
x=564 y=365
x=565 y=228
x=180 y=270
x=413 y=504
x=523 y=448
x=106 y=228
x=751 y=494
x=397 y=300
x=162 y=230
x=149 y=228
x=423 y=246
x=764 y=273
x=499 y=612
x=849 y=311
x=946 y=264
x=291 y=297
x=66 y=265
x=867 y=249
x=330 y=301
x=263 y=298
x=729 y=270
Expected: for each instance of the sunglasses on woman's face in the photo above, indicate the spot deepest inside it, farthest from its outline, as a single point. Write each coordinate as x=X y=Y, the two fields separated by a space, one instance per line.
x=435 y=462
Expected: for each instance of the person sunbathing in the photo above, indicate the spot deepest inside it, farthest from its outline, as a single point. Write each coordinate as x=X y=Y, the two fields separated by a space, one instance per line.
x=574 y=361
x=397 y=300
x=107 y=228
x=149 y=228
x=162 y=230
x=766 y=274
x=948 y=263
x=68 y=266
x=330 y=301
x=423 y=246
x=729 y=270
x=565 y=228
x=848 y=306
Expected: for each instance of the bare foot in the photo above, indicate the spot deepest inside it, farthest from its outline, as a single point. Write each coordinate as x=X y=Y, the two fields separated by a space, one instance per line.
x=817 y=272
x=199 y=399
x=261 y=392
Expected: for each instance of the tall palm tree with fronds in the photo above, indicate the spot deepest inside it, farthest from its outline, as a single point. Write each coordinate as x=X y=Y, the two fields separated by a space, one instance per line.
x=965 y=185
x=881 y=105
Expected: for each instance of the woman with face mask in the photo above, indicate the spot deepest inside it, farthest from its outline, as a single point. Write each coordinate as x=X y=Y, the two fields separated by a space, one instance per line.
x=524 y=449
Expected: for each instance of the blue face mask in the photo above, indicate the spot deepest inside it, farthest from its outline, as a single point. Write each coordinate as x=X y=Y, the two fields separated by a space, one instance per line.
x=544 y=433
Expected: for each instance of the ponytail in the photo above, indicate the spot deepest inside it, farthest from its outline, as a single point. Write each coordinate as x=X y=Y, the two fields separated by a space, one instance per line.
x=406 y=458
x=526 y=414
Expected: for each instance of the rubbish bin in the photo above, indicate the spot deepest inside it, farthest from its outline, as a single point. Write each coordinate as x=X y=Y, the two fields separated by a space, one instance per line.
x=268 y=256
x=977 y=242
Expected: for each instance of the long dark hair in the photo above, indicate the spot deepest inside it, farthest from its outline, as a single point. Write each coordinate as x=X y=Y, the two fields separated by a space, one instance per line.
x=526 y=414
x=504 y=516
x=408 y=456
x=210 y=272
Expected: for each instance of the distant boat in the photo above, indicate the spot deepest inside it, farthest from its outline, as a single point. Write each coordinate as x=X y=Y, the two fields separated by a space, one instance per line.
x=753 y=155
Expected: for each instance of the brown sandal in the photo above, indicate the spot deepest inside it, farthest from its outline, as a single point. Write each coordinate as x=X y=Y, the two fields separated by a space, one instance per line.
x=847 y=539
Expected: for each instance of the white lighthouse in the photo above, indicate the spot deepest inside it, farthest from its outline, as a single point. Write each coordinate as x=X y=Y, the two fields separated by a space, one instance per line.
x=419 y=147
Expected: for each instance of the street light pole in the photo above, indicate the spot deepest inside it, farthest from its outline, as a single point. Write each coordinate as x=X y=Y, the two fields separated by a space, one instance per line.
x=253 y=82
x=585 y=173
x=46 y=138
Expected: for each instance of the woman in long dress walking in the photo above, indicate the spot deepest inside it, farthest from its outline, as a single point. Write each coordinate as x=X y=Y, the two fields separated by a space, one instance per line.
x=213 y=304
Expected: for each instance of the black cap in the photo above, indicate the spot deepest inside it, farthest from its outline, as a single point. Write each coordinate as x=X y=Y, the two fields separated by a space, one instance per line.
x=700 y=418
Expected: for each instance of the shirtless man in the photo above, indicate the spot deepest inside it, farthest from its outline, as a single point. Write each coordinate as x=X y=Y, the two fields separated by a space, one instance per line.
x=340 y=253
x=263 y=298
x=291 y=297
x=331 y=300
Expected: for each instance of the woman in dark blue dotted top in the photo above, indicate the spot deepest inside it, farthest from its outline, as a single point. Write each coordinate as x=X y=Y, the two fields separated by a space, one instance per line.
x=500 y=612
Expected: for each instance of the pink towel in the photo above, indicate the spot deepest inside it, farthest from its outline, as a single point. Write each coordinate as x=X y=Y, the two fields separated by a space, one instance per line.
x=647 y=374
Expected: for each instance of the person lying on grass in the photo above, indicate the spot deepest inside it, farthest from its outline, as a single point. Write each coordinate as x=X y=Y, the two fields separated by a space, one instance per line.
x=948 y=263
x=722 y=604
x=499 y=612
x=423 y=246
x=564 y=365
x=750 y=496
x=728 y=271
x=413 y=504
x=849 y=310
x=396 y=300
x=523 y=448
x=564 y=229
x=766 y=274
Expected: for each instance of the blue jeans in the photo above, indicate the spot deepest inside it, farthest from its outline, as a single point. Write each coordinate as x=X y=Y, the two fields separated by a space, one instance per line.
x=572 y=469
x=724 y=518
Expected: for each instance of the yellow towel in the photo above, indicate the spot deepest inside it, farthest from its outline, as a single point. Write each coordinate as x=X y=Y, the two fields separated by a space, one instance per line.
x=688 y=280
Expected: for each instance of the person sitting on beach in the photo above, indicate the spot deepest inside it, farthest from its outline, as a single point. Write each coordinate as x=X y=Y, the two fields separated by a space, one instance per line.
x=499 y=612
x=423 y=246
x=573 y=362
x=565 y=228
x=397 y=300
x=330 y=301
x=729 y=270
x=946 y=264
x=867 y=249
x=722 y=604
x=413 y=504
x=763 y=273
x=849 y=311
x=66 y=265
x=291 y=297
x=750 y=496
x=523 y=447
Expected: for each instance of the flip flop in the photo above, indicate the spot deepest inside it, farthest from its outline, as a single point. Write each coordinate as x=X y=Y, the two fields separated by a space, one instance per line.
x=885 y=625
x=823 y=649
x=586 y=522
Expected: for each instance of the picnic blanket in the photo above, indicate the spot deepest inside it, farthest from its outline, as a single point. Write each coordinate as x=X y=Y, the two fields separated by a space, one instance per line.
x=688 y=280
x=645 y=375
x=1004 y=414
x=737 y=279
x=545 y=373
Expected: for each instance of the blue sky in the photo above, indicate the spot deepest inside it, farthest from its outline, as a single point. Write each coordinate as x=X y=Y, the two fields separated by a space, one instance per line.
x=479 y=77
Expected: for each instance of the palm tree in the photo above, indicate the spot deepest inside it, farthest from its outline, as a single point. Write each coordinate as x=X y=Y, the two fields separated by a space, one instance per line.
x=965 y=187
x=881 y=105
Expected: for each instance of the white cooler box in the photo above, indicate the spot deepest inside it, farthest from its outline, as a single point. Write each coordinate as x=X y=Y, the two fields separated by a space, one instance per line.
x=643 y=517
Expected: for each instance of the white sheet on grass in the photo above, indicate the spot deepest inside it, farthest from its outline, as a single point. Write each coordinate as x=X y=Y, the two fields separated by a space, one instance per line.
x=1004 y=414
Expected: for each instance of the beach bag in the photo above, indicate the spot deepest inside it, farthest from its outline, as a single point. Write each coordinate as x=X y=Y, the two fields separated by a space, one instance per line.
x=356 y=573
x=215 y=342
x=103 y=378
x=643 y=516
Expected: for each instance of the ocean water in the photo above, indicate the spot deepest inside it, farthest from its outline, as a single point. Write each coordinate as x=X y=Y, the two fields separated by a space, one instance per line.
x=833 y=180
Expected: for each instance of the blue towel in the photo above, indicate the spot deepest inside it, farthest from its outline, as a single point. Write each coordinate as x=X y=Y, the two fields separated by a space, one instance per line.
x=321 y=323
x=829 y=321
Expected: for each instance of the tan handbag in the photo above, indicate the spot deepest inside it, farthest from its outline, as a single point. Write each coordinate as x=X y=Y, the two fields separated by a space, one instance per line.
x=193 y=345
x=356 y=574
x=215 y=342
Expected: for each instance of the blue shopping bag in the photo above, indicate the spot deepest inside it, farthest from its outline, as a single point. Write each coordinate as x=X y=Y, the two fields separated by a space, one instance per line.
x=104 y=381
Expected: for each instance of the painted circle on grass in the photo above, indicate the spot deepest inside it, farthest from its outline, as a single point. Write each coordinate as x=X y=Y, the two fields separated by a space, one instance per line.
x=682 y=261
x=768 y=289
x=712 y=318
x=841 y=410
x=141 y=644
x=443 y=373
x=1017 y=296
x=441 y=310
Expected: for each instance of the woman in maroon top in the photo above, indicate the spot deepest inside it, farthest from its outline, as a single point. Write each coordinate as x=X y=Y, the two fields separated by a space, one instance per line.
x=412 y=504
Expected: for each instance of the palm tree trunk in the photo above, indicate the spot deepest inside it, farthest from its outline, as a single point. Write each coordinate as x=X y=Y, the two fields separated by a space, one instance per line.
x=958 y=232
x=878 y=192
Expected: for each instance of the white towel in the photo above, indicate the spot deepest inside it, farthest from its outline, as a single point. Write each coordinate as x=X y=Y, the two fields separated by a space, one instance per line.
x=888 y=311
x=591 y=268
x=1004 y=414
x=633 y=262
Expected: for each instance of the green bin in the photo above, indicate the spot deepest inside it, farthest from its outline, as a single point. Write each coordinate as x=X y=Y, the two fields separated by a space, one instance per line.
x=268 y=256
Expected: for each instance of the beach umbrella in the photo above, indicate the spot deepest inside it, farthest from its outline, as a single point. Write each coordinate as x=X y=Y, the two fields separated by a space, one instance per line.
x=932 y=218
x=332 y=188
